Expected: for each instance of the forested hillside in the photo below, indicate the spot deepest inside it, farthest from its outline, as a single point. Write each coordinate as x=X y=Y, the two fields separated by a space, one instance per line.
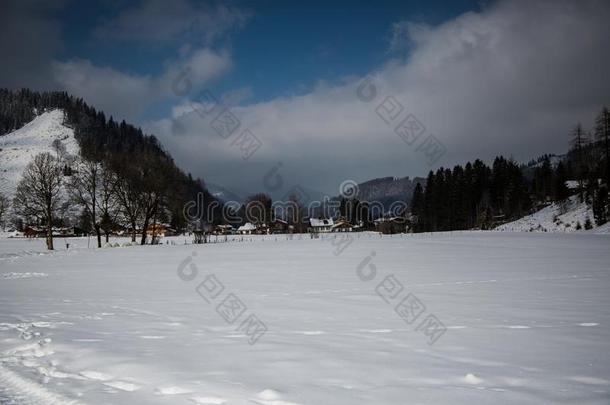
x=137 y=158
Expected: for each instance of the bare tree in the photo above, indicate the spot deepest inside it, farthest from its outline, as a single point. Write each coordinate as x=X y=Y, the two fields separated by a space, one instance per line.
x=140 y=188
x=107 y=201
x=59 y=148
x=38 y=194
x=155 y=175
x=85 y=189
x=127 y=194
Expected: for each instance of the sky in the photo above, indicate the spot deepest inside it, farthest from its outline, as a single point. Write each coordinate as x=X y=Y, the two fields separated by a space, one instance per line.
x=271 y=95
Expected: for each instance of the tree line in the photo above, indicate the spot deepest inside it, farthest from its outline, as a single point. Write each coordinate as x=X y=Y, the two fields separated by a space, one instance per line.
x=479 y=196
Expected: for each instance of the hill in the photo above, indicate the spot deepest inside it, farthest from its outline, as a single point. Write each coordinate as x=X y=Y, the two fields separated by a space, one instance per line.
x=388 y=189
x=30 y=122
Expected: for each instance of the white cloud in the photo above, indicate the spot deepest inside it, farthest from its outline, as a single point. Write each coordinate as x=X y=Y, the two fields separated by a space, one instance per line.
x=126 y=95
x=509 y=80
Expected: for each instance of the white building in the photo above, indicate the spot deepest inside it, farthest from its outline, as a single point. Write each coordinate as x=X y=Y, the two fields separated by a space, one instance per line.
x=320 y=225
x=247 y=229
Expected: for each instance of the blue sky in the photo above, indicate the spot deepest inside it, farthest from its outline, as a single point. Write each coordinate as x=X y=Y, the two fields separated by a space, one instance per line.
x=284 y=48
x=509 y=77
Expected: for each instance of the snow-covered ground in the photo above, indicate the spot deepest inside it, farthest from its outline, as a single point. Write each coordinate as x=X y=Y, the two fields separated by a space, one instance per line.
x=554 y=218
x=527 y=320
x=19 y=147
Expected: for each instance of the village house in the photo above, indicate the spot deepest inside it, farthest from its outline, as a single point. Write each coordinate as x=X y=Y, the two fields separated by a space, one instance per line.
x=159 y=230
x=342 y=226
x=224 y=229
x=32 y=232
x=391 y=225
x=262 y=229
x=35 y=232
x=279 y=226
x=246 y=229
x=320 y=225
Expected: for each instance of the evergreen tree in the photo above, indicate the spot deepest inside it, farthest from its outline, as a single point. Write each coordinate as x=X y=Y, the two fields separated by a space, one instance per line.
x=561 y=190
x=602 y=134
x=417 y=207
x=578 y=142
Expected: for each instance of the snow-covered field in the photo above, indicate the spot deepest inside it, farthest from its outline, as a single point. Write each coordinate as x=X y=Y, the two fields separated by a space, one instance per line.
x=527 y=320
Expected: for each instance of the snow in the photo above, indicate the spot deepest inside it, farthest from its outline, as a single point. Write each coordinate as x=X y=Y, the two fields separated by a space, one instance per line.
x=527 y=318
x=553 y=218
x=554 y=160
x=602 y=229
x=315 y=222
x=19 y=147
x=247 y=227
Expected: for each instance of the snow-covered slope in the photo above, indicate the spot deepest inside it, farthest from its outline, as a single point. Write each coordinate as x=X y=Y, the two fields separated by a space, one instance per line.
x=19 y=147
x=553 y=218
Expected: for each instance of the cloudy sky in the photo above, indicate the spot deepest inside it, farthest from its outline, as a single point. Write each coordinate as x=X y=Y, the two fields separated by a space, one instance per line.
x=241 y=91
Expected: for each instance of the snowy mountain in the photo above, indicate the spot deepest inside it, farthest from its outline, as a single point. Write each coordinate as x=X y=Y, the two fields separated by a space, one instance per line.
x=554 y=160
x=553 y=218
x=222 y=193
x=19 y=147
x=388 y=190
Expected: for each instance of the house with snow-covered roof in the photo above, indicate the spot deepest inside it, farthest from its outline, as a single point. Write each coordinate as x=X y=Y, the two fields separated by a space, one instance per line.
x=320 y=225
x=246 y=229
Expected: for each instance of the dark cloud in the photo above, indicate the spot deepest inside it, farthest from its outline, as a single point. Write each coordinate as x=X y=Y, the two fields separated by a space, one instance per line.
x=29 y=38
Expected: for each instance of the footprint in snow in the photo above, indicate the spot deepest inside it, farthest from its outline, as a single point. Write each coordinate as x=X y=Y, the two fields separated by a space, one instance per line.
x=208 y=400
x=270 y=397
x=472 y=379
x=310 y=332
x=122 y=385
x=96 y=375
x=172 y=390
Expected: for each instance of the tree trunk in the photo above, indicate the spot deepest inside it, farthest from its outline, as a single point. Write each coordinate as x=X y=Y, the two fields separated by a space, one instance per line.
x=607 y=160
x=133 y=230
x=49 y=235
x=49 y=215
x=144 y=228
x=154 y=226
x=98 y=233
x=107 y=235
